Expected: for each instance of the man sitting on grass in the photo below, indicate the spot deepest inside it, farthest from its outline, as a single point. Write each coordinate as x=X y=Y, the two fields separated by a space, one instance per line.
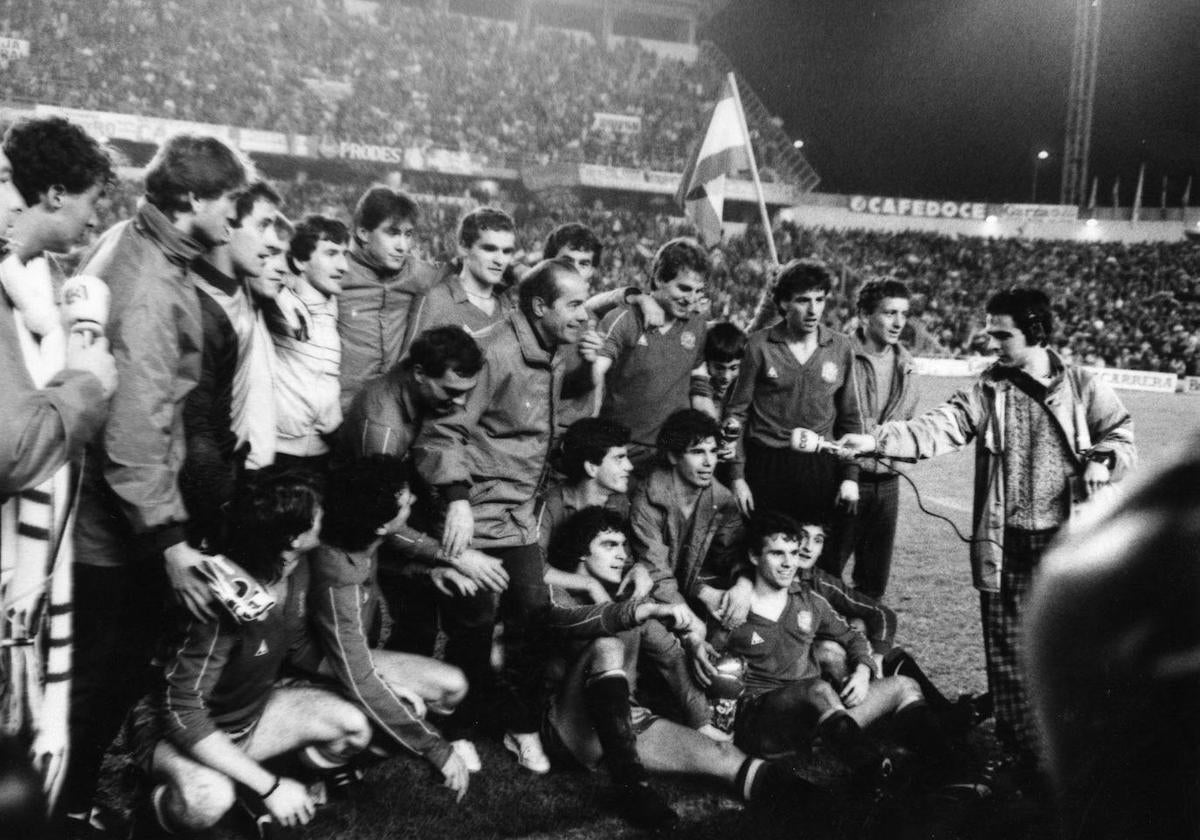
x=223 y=710
x=593 y=716
x=365 y=500
x=787 y=702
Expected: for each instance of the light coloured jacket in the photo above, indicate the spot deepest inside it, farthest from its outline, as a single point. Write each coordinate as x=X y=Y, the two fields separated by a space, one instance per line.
x=307 y=392
x=1085 y=409
x=496 y=447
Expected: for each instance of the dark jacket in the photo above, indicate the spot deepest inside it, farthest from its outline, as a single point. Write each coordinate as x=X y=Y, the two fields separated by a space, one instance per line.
x=372 y=313
x=209 y=471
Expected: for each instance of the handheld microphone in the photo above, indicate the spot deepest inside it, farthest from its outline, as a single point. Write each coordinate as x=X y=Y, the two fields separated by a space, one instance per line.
x=85 y=306
x=808 y=441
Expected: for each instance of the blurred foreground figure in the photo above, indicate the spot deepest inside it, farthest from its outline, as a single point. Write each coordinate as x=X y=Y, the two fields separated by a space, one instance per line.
x=1113 y=640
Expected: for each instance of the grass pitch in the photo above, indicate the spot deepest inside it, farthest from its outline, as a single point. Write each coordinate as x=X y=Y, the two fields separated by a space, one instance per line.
x=939 y=623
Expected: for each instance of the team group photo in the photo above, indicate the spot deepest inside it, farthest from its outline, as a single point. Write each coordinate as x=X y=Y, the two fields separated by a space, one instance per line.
x=526 y=419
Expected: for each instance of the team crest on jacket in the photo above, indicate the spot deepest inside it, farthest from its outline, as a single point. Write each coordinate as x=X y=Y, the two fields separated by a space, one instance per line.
x=829 y=372
x=688 y=340
x=804 y=620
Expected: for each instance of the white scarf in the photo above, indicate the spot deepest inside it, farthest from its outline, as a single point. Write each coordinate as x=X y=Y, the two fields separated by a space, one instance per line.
x=35 y=561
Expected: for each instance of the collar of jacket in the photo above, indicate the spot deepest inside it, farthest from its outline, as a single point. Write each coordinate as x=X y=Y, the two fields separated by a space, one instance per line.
x=661 y=489
x=998 y=375
x=779 y=335
x=380 y=273
x=858 y=341
x=215 y=277
x=532 y=349
x=405 y=385
x=178 y=246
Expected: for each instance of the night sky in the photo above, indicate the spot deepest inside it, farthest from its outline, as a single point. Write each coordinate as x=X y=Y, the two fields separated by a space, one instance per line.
x=952 y=98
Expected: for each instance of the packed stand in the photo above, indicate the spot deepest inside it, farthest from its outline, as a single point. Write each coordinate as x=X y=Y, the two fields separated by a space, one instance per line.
x=412 y=77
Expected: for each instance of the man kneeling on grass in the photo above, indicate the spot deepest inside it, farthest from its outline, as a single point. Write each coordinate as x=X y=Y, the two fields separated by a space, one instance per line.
x=592 y=716
x=366 y=499
x=224 y=709
x=787 y=702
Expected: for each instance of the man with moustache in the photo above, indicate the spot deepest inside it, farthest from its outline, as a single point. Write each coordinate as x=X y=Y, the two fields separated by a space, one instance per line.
x=307 y=389
x=130 y=543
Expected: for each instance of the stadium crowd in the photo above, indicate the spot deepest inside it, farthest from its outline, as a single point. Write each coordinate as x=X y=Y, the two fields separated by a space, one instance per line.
x=299 y=461
x=408 y=76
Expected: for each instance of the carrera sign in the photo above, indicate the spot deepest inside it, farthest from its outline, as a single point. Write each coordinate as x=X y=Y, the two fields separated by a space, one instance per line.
x=930 y=209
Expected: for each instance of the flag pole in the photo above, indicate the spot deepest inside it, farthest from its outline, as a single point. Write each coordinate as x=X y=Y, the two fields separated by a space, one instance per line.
x=762 y=309
x=762 y=201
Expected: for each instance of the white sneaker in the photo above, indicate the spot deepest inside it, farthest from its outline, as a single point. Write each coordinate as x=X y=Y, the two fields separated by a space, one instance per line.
x=466 y=751
x=527 y=747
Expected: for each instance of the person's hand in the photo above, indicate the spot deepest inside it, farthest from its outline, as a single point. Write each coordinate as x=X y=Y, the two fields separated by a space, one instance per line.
x=735 y=604
x=452 y=583
x=701 y=661
x=590 y=343
x=294 y=314
x=652 y=311
x=485 y=570
x=93 y=356
x=289 y=804
x=460 y=528
x=1095 y=476
x=637 y=582
x=181 y=563
x=727 y=450
x=847 y=497
x=858 y=444
x=49 y=755
x=597 y=592
x=712 y=599
x=745 y=499
x=415 y=700
x=456 y=776
x=855 y=690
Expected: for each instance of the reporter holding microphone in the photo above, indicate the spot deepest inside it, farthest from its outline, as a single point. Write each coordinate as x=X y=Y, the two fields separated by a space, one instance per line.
x=56 y=384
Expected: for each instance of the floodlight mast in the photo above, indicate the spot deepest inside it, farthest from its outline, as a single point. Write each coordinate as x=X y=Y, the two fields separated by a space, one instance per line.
x=1080 y=99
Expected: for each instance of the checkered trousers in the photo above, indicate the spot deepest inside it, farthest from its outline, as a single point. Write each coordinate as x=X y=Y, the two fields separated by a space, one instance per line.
x=1002 y=613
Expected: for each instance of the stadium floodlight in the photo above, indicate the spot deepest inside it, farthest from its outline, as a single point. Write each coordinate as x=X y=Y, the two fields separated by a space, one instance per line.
x=797 y=144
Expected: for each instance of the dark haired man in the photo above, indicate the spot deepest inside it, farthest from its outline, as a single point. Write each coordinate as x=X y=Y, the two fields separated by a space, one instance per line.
x=724 y=347
x=308 y=408
x=886 y=378
x=796 y=374
x=379 y=287
x=787 y=702
x=366 y=500
x=1046 y=436
x=638 y=361
x=56 y=388
x=222 y=711
x=489 y=461
x=131 y=511
x=471 y=294
x=593 y=717
x=686 y=527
